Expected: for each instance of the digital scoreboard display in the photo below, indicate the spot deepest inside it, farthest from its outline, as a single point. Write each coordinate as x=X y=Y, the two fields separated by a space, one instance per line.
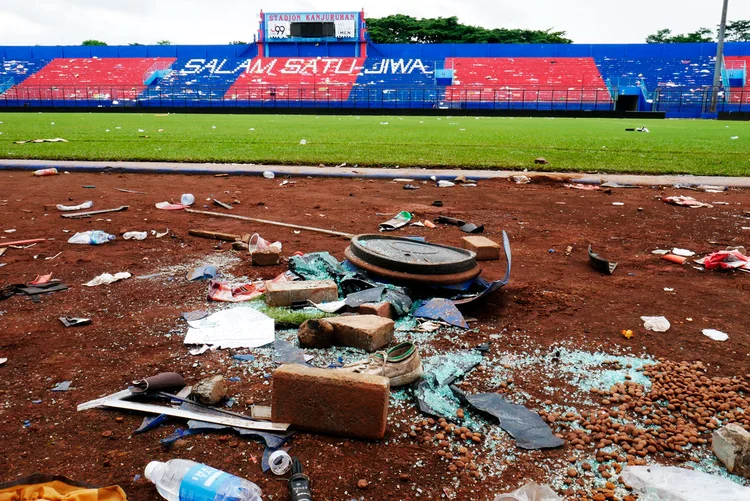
x=291 y=27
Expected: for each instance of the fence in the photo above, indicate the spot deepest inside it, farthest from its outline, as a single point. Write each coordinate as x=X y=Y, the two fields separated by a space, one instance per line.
x=680 y=101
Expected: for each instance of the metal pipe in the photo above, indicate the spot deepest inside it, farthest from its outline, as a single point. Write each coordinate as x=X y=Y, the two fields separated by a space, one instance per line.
x=273 y=223
x=719 y=57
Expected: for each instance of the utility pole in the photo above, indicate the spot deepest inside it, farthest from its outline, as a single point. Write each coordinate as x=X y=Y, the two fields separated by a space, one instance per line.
x=719 y=57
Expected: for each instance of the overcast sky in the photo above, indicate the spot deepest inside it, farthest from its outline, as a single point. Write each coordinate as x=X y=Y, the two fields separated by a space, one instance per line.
x=69 y=22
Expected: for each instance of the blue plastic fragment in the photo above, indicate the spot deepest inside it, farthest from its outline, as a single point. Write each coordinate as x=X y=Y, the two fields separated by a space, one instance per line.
x=443 y=310
x=137 y=477
x=36 y=401
x=149 y=423
x=203 y=273
x=235 y=379
x=244 y=358
x=26 y=423
x=230 y=403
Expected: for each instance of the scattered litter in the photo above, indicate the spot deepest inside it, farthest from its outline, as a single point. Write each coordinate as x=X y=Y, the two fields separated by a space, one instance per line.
x=725 y=260
x=660 y=252
x=63 y=386
x=541 y=161
x=22 y=242
x=715 y=335
x=619 y=204
x=670 y=483
x=240 y=327
x=202 y=273
x=230 y=293
x=429 y=224
x=80 y=215
x=520 y=179
x=41 y=279
x=686 y=202
x=627 y=333
x=3 y=361
x=401 y=219
x=280 y=462
x=135 y=235
x=270 y=175
x=612 y=184
x=107 y=278
x=131 y=191
x=410 y=187
x=601 y=264
x=656 y=324
x=303 y=142
x=55 y=140
x=169 y=206
x=530 y=492
x=244 y=358
x=445 y=184
x=187 y=199
x=92 y=237
x=57 y=487
x=67 y=208
x=581 y=186
x=222 y=204
x=256 y=243
x=683 y=252
x=156 y=234
x=199 y=351
x=525 y=426
x=463 y=225
x=434 y=395
x=74 y=321
x=443 y=310
x=674 y=259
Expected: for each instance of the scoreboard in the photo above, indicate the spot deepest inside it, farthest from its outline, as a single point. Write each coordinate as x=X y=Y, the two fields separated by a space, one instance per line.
x=311 y=27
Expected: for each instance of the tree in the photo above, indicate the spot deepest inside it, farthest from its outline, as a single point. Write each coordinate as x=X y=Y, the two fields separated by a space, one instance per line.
x=93 y=42
x=665 y=36
x=738 y=31
x=237 y=42
x=400 y=28
x=134 y=44
x=163 y=42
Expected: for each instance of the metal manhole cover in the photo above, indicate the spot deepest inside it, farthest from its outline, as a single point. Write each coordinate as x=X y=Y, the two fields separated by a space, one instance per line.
x=411 y=256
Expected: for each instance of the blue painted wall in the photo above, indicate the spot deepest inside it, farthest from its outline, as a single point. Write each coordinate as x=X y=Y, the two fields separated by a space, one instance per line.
x=426 y=51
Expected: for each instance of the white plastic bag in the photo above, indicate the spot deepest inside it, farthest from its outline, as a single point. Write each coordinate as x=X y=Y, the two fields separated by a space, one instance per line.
x=530 y=492
x=669 y=483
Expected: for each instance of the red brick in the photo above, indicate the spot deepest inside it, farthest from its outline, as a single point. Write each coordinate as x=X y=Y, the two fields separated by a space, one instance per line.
x=366 y=332
x=265 y=258
x=286 y=293
x=383 y=309
x=330 y=401
x=486 y=249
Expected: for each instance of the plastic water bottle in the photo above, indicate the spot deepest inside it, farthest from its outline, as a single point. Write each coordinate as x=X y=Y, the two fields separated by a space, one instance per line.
x=184 y=480
x=92 y=237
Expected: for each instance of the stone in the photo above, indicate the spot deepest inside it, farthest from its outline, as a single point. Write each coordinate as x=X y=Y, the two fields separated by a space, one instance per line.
x=366 y=332
x=287 y=293
x=265 y=258
x=731 y=444
x=541 y=161
x=210 y=391
x=486 y=249
x=315 y=333
x=383 y=309
x=331 y=401
x=362 y=484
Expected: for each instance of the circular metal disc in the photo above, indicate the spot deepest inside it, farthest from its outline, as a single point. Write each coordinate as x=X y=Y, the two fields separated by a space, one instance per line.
x=412 y=256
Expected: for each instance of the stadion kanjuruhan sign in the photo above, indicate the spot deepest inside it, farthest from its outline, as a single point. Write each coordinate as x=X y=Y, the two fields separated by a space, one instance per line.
x=278 y=25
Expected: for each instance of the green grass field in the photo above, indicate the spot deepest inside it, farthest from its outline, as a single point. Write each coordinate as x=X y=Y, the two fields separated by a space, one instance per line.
x=672 y=146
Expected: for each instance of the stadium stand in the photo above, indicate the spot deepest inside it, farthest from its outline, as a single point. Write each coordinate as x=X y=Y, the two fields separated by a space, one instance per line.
x=739 y=94
x=106 y=79
x=674 y=78
x=526 y=79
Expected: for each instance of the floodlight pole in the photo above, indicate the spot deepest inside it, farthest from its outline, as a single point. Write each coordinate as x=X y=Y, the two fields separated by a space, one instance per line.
x=719 y=57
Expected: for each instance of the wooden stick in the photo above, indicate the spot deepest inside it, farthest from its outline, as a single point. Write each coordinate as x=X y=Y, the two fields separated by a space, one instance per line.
x=273 y=223
x=227 y=237
x=76 y=215
x=22 y=242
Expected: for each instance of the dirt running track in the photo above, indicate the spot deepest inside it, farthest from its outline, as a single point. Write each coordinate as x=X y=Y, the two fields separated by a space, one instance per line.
x=552 y=298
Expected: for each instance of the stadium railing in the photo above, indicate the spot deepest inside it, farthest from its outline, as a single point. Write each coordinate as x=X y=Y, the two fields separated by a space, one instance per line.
x=664 y=99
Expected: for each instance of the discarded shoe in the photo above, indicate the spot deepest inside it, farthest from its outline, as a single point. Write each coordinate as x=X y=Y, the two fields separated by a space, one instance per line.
x=401 y=364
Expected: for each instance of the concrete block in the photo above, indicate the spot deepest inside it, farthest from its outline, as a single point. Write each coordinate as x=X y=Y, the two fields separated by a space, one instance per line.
x=383 y=309
x=366 y=332
x=286 y=293
x=331 y=401
x=265 y=258
x=315 y=333
x=731 y=444
x=486 y=249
